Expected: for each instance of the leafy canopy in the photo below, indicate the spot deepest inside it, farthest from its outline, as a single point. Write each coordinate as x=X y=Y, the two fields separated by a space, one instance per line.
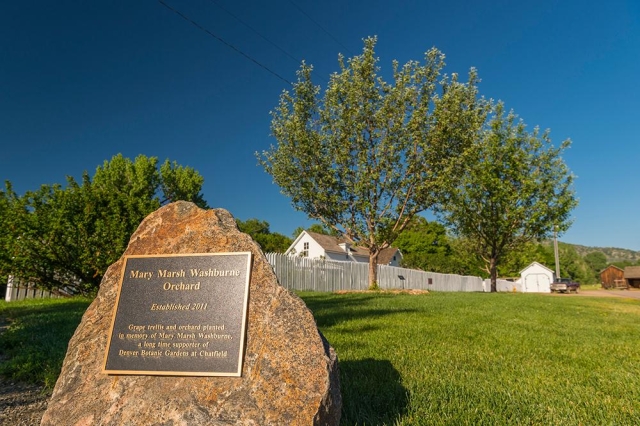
x=369 y=155
x=67 y=237
x=517 y=189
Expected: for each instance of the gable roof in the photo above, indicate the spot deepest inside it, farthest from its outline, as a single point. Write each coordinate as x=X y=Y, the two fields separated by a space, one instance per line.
x=332 y=244
x=612 y=267
x=386 y=255
x=536 y=263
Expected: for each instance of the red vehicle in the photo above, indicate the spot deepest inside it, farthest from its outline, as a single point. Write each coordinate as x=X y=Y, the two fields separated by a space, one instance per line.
x=565 y=285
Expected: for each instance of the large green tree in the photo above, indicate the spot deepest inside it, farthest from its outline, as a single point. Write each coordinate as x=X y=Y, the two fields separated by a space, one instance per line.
x=369 y=155
x=533 y=251
x=517 y=189
x=67 y=237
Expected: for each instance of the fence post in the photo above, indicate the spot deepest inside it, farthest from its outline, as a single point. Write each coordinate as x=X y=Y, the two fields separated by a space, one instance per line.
x=7 y=296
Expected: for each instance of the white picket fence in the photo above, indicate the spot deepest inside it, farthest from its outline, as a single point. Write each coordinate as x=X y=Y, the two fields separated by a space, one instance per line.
x=300 y=273
x=20 y=291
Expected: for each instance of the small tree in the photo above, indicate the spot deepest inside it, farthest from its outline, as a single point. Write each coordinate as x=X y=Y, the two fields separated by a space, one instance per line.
x=369 y=155
x=518 y=189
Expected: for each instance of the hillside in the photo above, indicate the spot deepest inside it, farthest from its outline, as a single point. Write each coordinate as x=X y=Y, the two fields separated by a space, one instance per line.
x=613 y=254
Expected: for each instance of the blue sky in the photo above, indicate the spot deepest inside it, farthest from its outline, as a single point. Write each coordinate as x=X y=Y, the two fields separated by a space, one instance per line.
x=82 y=81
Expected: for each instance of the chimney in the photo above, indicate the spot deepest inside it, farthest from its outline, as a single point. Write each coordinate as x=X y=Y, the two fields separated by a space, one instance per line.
x=346 y=247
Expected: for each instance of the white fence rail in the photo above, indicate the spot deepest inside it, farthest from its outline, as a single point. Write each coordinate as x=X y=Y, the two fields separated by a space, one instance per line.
x=300 y=273
x=506 y=286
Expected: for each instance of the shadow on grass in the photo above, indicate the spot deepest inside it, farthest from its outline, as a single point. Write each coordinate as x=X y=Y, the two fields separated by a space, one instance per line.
x=372 y=392
x=34 y=342
x=329 y=310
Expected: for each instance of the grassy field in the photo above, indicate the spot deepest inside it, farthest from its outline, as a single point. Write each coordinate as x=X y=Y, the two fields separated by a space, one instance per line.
x=484 y=359
x=439 y=358
x=33 y=345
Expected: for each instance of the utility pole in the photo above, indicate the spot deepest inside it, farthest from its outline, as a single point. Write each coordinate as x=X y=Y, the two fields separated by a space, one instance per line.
x=555 y=252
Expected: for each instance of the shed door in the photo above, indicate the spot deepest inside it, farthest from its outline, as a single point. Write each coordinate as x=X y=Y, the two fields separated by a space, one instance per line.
x=536 y=283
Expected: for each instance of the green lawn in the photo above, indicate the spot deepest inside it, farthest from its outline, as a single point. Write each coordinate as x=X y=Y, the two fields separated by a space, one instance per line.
x=473 y=358
x=439 y=358
x=33 y=345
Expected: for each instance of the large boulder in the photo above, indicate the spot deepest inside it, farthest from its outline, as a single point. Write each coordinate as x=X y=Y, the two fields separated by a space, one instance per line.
x=289 y=374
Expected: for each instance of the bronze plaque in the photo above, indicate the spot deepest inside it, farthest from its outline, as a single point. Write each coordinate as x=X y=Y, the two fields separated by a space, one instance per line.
x=180 y=315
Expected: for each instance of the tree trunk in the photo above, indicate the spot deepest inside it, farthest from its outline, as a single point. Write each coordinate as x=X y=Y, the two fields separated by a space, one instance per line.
x=373 y=270
x=493 y=271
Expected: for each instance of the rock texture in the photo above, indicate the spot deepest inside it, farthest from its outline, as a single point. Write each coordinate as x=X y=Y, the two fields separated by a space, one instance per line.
x=289 y=376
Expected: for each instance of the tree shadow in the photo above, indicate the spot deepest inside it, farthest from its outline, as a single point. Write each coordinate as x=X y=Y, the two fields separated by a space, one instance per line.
x=329 y=310
x=35 y=334
x=372 y=393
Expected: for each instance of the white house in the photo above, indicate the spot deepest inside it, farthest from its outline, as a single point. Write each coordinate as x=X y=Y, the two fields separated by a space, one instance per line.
x=320 y=246
x=536 y=278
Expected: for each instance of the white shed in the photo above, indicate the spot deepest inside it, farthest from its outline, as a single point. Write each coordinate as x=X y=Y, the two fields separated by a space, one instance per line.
x=536 y=278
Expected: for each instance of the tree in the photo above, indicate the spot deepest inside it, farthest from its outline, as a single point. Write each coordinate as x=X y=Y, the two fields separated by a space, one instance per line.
x=518 y=189
x=270 y=242
x=532 y=251
x=574 y=266
x=597 y=261
x=68 y=237
x=425 y=245
x=370 y=155
x=181 y=183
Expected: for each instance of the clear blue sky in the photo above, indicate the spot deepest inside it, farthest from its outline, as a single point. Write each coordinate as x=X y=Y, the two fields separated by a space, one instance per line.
x=81 y=81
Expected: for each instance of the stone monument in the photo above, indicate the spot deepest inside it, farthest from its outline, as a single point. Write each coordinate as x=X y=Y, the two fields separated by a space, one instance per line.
x=287 y=372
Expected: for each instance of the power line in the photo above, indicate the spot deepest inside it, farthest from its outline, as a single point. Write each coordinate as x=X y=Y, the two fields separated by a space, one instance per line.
x=200 y=27
x=298 y=61
x=321 y=27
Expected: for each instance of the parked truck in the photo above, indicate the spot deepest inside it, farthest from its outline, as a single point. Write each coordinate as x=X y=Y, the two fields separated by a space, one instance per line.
x=565 y=285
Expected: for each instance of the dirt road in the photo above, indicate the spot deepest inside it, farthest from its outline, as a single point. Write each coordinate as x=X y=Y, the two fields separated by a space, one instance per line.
x=633 y=293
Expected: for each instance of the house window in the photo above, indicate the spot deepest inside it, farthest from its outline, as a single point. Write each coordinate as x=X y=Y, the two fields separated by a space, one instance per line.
x=305 y=250
x=394 y=258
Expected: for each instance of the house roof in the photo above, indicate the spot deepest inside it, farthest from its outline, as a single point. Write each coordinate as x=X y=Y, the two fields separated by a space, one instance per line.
x=632 y=272
x=332 y=244
x=386 y=255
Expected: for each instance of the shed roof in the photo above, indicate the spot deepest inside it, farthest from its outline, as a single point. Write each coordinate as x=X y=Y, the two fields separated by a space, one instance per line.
x=632 y=272
x=612 y=267
x=538 y=264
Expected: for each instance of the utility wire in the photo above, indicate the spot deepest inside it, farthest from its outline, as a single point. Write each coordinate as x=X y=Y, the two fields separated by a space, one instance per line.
x=320 y=26
x=200 y=27
x=298 y=61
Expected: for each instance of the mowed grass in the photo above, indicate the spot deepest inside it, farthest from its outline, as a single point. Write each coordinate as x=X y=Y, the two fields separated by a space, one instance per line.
x=484 y=359
x=434 y=359
x=35 y=338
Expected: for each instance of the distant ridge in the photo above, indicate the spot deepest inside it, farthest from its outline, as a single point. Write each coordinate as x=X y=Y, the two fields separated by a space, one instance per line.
x=614 y=254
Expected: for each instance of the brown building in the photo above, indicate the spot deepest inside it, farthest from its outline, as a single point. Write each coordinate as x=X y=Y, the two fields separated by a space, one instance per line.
x=632 y=276
x=612 y=277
